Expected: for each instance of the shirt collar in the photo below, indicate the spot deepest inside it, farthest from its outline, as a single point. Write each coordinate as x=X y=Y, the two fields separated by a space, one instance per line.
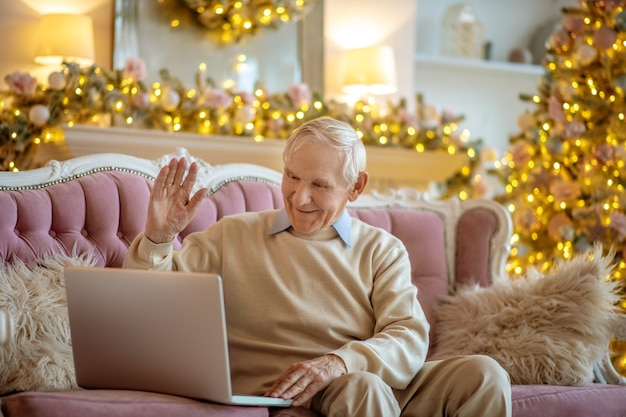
x=343 y=226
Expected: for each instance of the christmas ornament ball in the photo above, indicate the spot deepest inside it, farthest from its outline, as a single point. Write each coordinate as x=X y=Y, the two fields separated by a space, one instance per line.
x=170 y=100
x=57 y=80
x=39 y=115
x=141 y=100
x=521 y=56
x=604 y=38
x=585 y=54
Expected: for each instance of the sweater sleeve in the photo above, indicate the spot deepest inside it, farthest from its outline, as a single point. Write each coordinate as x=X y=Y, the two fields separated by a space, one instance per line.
x=397 y=350
x=201 y=251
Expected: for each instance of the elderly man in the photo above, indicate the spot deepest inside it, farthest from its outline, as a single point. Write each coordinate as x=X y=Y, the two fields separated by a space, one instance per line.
x=320 y=306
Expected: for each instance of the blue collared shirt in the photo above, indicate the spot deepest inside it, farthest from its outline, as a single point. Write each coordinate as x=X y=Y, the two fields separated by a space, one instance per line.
x=342 y=226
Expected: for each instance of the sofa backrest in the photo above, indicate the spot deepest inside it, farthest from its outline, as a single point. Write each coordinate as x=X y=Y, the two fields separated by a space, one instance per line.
x=99 y=203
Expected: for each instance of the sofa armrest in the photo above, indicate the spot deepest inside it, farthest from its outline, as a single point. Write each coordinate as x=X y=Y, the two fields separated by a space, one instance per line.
x=604 y=371
x=6 y=327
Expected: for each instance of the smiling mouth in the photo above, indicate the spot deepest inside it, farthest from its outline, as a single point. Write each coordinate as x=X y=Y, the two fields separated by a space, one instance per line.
x=305 y=211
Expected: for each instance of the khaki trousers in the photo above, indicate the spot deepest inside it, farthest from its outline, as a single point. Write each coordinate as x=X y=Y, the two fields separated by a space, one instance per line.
x=463 y=386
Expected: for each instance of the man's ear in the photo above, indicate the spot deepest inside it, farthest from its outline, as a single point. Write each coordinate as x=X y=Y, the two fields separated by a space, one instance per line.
x=359 y=186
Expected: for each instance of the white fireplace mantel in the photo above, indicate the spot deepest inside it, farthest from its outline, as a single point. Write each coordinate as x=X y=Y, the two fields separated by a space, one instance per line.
x=389 y=168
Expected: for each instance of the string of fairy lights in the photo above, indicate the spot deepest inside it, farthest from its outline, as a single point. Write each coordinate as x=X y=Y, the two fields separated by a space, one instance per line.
x=100 y=97
x=233 y=21
x=564 y=172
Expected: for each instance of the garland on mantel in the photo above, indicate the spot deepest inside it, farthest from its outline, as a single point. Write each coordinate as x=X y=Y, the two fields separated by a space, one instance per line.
x=233 y=21
x=32 y=113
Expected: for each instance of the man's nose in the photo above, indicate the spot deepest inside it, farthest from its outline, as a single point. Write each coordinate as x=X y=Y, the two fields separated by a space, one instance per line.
x=302 y=194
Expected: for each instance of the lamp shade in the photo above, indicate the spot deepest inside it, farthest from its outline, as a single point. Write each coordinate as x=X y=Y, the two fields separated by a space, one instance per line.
x=65 y=37
x=370 y=70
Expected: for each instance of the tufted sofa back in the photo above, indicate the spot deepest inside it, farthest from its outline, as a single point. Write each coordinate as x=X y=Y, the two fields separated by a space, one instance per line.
x=103 y=211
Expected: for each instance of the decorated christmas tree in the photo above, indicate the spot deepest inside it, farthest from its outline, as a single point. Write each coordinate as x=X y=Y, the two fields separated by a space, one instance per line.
x=565 y=171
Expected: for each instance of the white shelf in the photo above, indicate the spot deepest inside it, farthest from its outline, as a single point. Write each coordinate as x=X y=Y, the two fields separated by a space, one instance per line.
x=476 y=64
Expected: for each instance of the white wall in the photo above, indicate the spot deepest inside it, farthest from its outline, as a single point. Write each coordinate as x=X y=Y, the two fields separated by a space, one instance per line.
x=488 y=98
x=488 y=95
x=506 y=23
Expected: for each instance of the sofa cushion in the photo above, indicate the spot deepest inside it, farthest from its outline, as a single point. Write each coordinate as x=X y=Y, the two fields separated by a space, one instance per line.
x=596 y=400
x=474 y=231
x=38 y=355
x=422 y=232
x=235 y=197
x=99 y=213
x=543 y=329
x=116 y=403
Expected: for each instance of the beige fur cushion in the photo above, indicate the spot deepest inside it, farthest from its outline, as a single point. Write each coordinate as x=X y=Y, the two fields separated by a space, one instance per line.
x=38 y=355
x=542 y=329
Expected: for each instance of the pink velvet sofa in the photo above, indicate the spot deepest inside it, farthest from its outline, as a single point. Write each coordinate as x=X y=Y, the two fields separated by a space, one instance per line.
x=99 y=202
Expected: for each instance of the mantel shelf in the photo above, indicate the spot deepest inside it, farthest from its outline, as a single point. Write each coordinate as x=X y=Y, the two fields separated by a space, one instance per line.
x=476 y=64
x=388 y=167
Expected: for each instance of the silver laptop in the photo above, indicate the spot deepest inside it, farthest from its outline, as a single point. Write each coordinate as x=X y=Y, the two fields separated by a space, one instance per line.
x=152 y=331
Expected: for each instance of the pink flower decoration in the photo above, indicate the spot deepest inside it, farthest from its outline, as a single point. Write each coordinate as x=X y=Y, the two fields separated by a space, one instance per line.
x=135 y=68
x=299 y=94
x=525 y=120
x=275 y=125
x=526 y=219
x=618 y=222
x=247 y=98
x=521 y=153
x=574 y=129
x=481 y=188
x=555 y=109
x=217 y=99
x=604 y=153
x=564 y=190
x=604 y=38
x=21 y=83
x=560 y=40
x=560 y=227
x=141 y=100
x=574 y=24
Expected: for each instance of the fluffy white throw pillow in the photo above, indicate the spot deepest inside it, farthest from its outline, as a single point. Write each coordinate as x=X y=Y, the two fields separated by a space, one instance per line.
x=543 y=329
x=38 y=355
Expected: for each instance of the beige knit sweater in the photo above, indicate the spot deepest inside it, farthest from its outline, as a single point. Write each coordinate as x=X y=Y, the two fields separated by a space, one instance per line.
x=291 y=298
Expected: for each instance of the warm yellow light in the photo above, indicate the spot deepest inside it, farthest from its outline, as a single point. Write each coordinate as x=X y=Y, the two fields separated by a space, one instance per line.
x=370 y=71
x=65 y=37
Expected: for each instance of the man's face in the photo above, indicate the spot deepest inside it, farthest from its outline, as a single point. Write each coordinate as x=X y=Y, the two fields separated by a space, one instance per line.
x=314 y=190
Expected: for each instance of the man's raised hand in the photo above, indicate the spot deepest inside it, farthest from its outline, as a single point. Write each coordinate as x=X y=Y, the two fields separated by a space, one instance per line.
x=171 y=207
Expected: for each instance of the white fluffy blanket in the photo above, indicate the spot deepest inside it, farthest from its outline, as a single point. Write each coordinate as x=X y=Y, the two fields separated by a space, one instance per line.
x=542 y=329
x=38 y=355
